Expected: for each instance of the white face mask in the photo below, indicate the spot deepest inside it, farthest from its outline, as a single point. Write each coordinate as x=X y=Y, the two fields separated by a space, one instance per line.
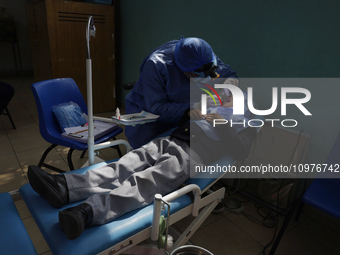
x=199 y=79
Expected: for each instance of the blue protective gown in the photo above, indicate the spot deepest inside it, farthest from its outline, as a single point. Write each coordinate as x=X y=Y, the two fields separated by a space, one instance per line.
x=162 y=89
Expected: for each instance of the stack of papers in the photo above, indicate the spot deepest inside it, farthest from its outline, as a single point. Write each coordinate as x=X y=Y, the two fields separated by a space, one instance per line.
x=80 y=134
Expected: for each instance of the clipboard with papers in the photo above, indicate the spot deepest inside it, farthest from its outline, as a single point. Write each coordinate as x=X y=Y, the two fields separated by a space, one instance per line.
x=135 y=118
x=80 y=133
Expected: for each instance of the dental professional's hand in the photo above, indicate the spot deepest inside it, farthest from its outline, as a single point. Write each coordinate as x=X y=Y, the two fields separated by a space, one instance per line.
x=195 y=114
x=212 y=116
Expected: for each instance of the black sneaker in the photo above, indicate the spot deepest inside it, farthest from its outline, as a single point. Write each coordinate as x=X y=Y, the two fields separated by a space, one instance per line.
x=73 y=220
x=51 y=187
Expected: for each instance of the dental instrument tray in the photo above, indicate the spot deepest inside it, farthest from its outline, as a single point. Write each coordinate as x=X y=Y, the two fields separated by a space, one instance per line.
x=135 y=118
x=80 y=133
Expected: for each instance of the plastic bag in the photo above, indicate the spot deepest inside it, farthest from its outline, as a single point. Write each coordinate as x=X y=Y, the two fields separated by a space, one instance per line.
x=68 y=115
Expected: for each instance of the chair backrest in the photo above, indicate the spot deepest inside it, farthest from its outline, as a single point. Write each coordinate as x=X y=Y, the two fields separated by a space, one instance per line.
x=6 y=94
x=324 y=192
x=53 y=92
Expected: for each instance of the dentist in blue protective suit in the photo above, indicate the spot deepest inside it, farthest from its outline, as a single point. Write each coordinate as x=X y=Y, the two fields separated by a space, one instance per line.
x=163 y=87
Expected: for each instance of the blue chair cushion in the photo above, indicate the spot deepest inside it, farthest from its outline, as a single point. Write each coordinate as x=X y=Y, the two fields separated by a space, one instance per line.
x=14 y=238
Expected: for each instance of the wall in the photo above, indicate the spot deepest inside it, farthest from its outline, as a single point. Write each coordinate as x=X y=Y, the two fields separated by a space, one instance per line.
x=16 y=8
x=262 y=39
x=259 y=38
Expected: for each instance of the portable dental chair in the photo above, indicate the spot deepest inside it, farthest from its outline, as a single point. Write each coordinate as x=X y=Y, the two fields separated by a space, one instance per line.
x=120 y=235
x=123 y=235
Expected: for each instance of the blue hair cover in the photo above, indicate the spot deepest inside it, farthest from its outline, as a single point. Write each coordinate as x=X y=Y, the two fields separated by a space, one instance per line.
x=191 y=53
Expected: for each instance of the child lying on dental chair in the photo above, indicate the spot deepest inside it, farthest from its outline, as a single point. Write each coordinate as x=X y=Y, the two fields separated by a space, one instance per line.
x=160 y=166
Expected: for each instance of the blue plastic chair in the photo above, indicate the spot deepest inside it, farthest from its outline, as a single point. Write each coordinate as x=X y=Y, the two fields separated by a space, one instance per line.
x=53 y=92
x=322 y=194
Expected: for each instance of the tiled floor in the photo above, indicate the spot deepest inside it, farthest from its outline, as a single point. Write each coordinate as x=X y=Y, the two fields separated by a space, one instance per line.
x=222 y=234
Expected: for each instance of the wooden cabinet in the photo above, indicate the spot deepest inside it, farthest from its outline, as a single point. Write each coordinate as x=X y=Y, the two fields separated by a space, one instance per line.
x=57 y=32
